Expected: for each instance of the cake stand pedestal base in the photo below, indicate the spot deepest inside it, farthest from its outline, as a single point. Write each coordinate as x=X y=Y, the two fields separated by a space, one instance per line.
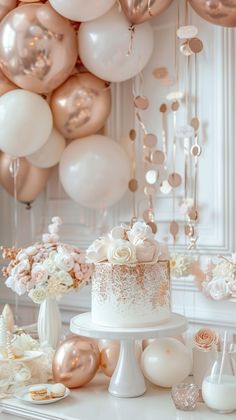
x=127 y=380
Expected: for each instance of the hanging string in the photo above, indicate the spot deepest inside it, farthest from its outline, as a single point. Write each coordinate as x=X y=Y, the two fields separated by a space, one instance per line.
x=14 y=170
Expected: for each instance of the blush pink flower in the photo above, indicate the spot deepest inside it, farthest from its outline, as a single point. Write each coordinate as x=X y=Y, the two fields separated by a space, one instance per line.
x=206 y=339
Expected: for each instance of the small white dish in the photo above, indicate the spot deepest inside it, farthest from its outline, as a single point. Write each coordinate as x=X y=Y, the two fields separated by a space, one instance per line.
x=28 y=356
x=23 y=395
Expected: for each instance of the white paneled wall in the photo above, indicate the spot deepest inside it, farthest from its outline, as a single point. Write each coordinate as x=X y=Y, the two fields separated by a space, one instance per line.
x=216 y=192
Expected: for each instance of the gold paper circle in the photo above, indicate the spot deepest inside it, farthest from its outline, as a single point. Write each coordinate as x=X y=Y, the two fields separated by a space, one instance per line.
x=174 y=180
x=150 y=140
x=133 y=185
x=141 y=102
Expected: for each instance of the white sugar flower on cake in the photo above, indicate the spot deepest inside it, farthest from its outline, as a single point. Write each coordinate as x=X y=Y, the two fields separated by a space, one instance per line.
x=48 y=269
x=125 y=245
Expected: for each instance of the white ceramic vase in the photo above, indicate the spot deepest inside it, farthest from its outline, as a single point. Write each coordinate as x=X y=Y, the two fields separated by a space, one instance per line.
x=49 y=323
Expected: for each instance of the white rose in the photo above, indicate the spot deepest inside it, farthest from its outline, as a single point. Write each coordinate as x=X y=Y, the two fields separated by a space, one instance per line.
x=97 y=252
x=21 y=267
x=57 y=220
x=31 y=250
x=117 y=232
x=121 y=252
x=63 y=260
x=49 y=264
x=64 y=278
x=140 y=230
x=217 y=289
x=37 y=295
x=53 y=228
x=38 y=273
x=146 y=251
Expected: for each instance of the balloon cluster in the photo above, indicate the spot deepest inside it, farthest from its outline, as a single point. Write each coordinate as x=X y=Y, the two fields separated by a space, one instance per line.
x=57 y=60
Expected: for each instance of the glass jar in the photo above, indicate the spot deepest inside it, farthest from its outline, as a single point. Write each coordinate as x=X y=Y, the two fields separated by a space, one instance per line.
x=219 y=386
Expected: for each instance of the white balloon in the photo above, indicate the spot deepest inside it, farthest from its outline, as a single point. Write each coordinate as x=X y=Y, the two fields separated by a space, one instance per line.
x=82 y=10
x=104 y=46
x=50 y=154
x=166 y=361
x=25 y=121
x=95 y=171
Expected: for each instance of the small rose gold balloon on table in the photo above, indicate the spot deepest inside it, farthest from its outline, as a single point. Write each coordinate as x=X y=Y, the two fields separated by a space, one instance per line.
x=109 y=358
x=76 y=361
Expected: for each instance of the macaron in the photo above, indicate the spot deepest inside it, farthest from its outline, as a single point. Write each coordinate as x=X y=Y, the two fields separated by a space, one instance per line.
x=58 y=390
x=38 y=392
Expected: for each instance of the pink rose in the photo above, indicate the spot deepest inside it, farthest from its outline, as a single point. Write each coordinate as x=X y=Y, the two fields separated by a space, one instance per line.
x=206 y=339
x=38 y=273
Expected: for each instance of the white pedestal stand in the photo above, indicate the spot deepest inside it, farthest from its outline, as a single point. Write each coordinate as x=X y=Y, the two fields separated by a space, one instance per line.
x=127 y=381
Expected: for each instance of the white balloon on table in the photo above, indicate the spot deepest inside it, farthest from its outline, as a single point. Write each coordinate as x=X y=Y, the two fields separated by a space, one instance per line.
x=26 y=122
x=95 y=171
x=81 y=10
x=49 y=155
x=106 y=48
x=166 y=361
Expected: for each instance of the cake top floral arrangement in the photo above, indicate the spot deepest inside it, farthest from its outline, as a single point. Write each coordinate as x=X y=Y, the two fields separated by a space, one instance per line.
x=125 y=245
x=220 y=278
x=47 y=269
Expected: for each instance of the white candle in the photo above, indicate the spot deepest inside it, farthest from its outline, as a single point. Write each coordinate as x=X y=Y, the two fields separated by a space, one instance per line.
x=220 y=396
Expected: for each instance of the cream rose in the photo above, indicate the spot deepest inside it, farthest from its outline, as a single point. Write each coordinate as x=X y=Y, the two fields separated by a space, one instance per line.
x=38 y=295
x=121 y=252
x=63 y=260
x=140 y=231
x=38 y=273
x=146 y=251
x=97 y=252
x=206 y=339
x=49 y=264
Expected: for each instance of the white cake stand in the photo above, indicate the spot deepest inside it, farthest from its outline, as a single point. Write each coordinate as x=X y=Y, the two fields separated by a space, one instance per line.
x=127 y=381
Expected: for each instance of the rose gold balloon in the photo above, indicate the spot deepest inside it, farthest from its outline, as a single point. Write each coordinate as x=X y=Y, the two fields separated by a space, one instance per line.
x=43 y=48
x=5 y=84
x=221 y=13
x=76 y=362
x=30 y=181
x=139 y=11
x=109 y=358
x=81 y=105
x=6 y=6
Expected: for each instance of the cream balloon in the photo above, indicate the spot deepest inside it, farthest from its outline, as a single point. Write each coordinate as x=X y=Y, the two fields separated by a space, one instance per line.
x=166 y=361
x=26 y=122
x=81 y=10
x=50 y=154
x=104 y=46
x=95 y=171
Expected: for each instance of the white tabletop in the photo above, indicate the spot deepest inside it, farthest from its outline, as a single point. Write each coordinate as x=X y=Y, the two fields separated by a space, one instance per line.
x=93 y=402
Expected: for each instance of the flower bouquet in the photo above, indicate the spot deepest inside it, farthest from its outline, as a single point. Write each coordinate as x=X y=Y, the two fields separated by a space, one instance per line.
x=220 y=278
x=46 y=271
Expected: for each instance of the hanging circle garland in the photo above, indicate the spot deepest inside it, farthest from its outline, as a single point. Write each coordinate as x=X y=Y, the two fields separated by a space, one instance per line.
x=219 y=12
